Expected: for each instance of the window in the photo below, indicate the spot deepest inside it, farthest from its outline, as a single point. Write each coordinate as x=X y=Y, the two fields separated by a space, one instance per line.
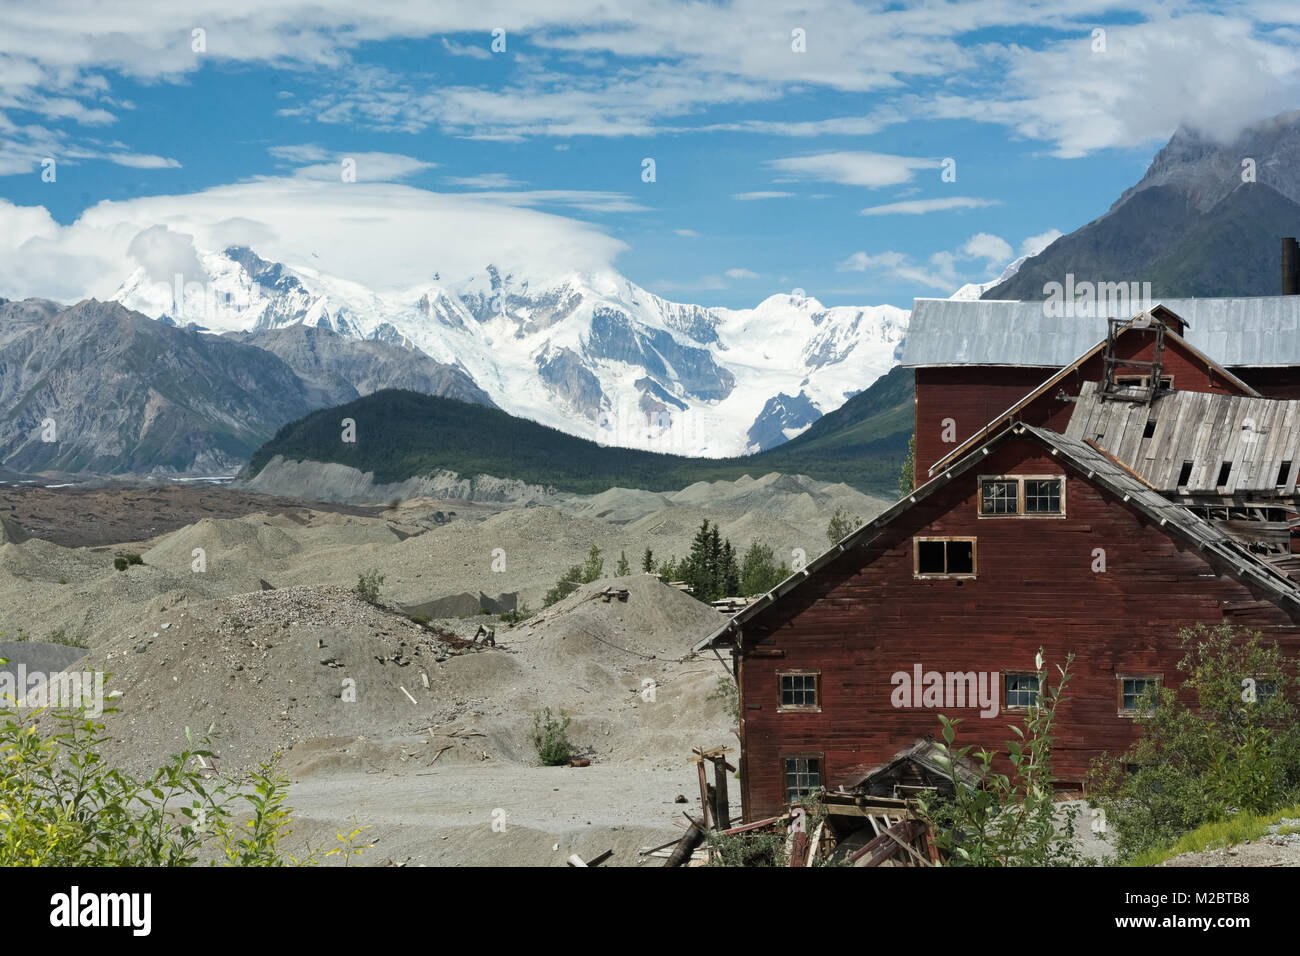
x=1150 y=429
x=1022 y=690
x=798 y=691
x=1144 y=381
x=999 y=497
x=1043 y=497
x=1022 y=495
x=1224 y=471
x=944 y=557
x=803 y=777
x=1185 y=474
x=1283 y=471
x=1132 y=687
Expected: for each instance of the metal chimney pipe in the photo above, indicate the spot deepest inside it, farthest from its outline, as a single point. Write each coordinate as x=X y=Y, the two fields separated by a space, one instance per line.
x=1290 y=266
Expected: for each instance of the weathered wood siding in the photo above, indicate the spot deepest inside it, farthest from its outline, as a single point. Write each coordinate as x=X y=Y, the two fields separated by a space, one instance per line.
x=865 y=617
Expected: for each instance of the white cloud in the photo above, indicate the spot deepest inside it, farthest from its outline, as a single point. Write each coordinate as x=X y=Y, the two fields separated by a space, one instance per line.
x=686 y=233
x=855 y=168
x=760 y=194
x=1033 y=245
x=740 y=274
x=376 y=234
x=142 y=161
x=485 y=181
x=367 y=167
x=664 y=64
x=992 y=249
x=916 y=207
x=458 y=49
x=946 y=269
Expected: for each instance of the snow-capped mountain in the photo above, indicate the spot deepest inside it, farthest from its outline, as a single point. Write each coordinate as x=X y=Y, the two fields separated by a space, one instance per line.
x=589 y=353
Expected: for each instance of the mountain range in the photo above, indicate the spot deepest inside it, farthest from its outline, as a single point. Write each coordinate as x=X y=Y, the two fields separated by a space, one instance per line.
x=591 y=354
x=1205 y=220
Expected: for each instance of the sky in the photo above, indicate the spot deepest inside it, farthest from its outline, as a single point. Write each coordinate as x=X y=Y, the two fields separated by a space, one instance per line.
x=716 y=153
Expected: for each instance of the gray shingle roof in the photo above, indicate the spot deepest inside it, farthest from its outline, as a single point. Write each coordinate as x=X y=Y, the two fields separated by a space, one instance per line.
x=1257 y=330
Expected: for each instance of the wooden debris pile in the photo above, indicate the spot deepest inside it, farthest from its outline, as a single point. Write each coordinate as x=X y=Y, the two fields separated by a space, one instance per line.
x=833 y=829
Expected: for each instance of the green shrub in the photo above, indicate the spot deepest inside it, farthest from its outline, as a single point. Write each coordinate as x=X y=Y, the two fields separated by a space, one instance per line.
x=1010 y=819
x=368 y=583
x=1199 y=764
x=550 y=738
x=120 y=563
x=63 y=804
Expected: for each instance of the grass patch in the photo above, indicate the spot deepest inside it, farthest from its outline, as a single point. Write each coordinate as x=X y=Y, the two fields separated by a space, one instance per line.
x=1241 y=828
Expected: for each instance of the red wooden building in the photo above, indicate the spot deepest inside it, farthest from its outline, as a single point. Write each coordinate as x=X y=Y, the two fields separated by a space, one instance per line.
x=1094 y=518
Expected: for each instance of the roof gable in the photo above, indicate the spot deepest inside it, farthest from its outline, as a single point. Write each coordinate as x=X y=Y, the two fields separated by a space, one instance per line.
x=1094 y=465
x=1140 y=322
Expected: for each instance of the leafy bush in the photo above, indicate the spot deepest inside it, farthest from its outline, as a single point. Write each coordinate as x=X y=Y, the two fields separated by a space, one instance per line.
x=1237 y=749
x=120 y=563
x=368 y=583
x=579 y=574
x=727 y=692
x=1011 y=819
x=550 y=738
x=62 y=804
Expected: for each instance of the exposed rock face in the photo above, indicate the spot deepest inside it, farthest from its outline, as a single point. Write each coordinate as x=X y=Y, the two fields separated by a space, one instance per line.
x=1201 y=222
x=97 y=387
x=340 y=369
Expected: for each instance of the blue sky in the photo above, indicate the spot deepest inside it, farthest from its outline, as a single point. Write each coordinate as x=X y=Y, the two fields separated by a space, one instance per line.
x=774 y=168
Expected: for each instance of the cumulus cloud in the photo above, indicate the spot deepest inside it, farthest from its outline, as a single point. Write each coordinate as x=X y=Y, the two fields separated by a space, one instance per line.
x=164 y=254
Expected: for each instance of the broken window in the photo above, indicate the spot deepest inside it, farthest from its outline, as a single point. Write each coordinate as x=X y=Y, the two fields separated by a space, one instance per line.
x=1022 y=690
x=944 y=557
x=799 y=690
x=1132 y=688
x=999 y=497
x=1185 y=474
x=1019 y=495
x=1283 y=472
x=803 y=777
x=1224 y=471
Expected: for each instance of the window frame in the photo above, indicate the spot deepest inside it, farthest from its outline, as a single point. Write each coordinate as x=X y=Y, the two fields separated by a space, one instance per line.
x=819 y=756
x=919 y=575
x=1018 y=708
x=783 y=708
x=1020 y=511
x=1159 y=679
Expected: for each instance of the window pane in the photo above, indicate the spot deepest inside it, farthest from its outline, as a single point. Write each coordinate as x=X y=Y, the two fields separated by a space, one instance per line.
x=1022 y=690
x=961 y=557
x=929 y=557
x=998 y=498
x=1043 y=497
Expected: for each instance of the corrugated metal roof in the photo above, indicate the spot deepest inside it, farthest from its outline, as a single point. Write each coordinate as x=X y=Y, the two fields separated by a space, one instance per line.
x=1257 y=330
x=1257 y=436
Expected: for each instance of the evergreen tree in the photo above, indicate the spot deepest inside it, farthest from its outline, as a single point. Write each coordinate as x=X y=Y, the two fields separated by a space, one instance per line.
x=594 y=566
x=623 y=569
x=730 y=573
x=648 y=561
x=715 y=564
x=759 y=571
